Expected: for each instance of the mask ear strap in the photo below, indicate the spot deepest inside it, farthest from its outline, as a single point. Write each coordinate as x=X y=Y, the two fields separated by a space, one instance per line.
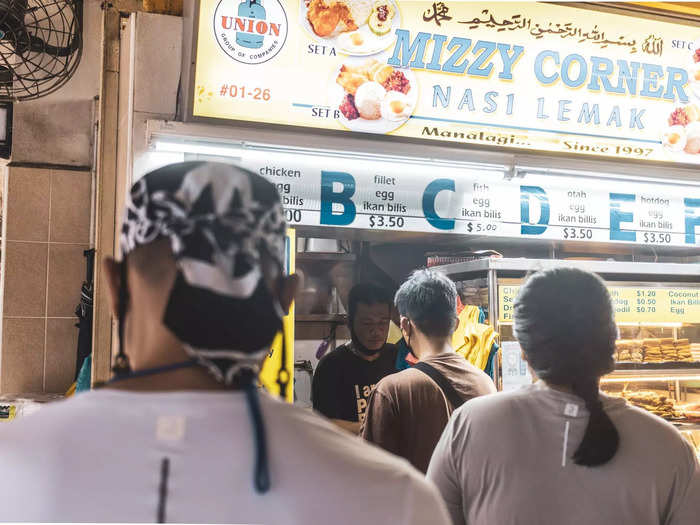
x=261 y=474
x=121 y=363
x=408 y=341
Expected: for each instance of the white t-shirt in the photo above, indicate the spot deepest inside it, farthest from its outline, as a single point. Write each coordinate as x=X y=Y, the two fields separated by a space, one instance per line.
x=97 y=458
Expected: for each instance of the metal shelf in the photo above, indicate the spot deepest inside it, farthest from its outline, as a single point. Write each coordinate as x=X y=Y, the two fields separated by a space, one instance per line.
x=332 y=257
x=609 y=268
x=680 y=425
x=666 y=366
x=321 y=318
x=654 y=372
x=645 y=324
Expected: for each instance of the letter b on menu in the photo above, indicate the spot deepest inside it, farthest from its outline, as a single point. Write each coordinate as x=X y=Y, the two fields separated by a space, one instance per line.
x=337 y=188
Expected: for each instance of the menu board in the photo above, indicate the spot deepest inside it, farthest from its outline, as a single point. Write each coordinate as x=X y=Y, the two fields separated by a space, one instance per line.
x=511 y=75
x=425 y=196
x=632 y=304
x=656 y=305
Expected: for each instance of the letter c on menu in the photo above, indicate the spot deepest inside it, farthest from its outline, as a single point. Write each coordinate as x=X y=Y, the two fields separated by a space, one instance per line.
x=429 y=196
x=329 y=197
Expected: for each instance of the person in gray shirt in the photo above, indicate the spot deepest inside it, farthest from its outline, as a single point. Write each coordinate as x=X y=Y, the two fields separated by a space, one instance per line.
x=560 y=451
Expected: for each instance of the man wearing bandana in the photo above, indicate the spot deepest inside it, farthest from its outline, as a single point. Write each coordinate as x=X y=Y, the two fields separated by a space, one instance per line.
x=344 y=379
x=182 y=432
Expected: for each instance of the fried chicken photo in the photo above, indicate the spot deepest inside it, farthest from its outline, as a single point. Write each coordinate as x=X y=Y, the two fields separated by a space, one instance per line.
x=325 y=17
x=352 y=77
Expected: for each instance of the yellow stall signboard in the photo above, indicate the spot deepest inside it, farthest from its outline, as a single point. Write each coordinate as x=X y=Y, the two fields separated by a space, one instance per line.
x=523 y=75
x=646 y=305
x=270 y=374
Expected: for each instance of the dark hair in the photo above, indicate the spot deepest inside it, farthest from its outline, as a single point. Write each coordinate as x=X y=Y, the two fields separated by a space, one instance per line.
x=429 y=299
x=369 y=294
x=564 y=321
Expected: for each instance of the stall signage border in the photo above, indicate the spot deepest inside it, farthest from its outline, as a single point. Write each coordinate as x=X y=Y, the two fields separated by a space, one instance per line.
x=530 y=76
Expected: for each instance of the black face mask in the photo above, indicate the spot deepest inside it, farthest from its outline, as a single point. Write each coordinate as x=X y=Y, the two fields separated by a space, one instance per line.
x=205 y=319
x=362 y=349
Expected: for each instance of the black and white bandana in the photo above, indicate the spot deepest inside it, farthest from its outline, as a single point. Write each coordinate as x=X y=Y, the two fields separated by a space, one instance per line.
x=219 y=219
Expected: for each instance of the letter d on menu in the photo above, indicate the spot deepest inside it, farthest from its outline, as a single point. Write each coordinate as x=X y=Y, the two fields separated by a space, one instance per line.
x=527 y=227
x=692 y=220
x=329 y=197
x=617 y=217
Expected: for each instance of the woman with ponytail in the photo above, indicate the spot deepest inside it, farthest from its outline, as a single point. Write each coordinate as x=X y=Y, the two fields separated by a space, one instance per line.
x=560 y=451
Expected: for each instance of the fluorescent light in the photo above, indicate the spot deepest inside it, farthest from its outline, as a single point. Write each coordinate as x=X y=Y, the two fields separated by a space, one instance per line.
x=163 y=143
x=652 y=325
x=556 y=172
x=628 y=324
x=625 y=379
x=197 y=147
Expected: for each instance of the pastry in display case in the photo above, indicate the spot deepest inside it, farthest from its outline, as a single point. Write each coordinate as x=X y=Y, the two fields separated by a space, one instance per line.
x=662 y=350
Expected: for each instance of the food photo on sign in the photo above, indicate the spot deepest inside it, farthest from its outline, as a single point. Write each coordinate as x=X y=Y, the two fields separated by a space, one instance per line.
x=682 y=137
x=373 y=96
x=354 y=27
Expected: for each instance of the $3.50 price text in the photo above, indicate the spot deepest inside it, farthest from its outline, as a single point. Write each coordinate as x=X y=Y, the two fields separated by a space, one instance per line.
x=578 y=233
x=657 y=238
x=386 y=221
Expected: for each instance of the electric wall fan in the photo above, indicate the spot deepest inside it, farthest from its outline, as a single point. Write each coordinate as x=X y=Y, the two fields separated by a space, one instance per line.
x=40 y=46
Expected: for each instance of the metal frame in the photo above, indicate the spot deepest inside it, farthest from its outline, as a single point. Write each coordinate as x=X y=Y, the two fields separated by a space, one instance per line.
x=607 y=268
x=282 y=134
x=688 y=274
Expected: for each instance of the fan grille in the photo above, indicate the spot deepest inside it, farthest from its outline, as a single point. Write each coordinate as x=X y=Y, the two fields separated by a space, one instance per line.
x=40 y=46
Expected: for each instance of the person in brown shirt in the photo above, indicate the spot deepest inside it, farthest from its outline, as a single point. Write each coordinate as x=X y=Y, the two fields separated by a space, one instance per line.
x=408 y=411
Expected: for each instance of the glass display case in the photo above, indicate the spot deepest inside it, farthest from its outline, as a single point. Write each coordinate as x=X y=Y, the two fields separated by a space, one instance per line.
x=657 y=310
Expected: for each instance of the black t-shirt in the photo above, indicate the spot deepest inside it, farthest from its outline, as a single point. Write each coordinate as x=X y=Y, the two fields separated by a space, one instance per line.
x=344 y=381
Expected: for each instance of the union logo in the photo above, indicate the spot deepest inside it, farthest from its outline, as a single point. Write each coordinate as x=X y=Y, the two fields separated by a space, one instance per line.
x=250 y=31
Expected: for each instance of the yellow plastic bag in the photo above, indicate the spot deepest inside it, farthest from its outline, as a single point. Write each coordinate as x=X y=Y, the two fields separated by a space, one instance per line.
x=473 y=340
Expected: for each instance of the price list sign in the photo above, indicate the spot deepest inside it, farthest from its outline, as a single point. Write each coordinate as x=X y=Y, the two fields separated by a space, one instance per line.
x=632 y=304
x=656 y=305
x=320 y=189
